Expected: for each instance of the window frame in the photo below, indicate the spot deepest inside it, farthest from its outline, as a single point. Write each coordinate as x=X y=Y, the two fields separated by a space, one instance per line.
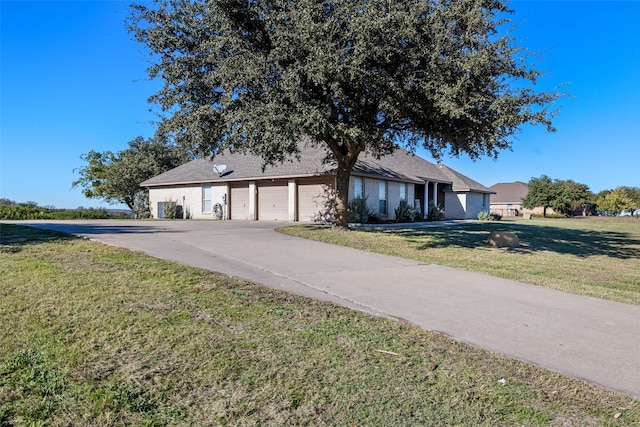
x=404 y=191
x=358 y=184
x=205 y=187
x=383 y=197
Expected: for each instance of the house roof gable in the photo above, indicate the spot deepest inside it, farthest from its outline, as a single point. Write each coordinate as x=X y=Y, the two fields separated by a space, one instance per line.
x=509 y=192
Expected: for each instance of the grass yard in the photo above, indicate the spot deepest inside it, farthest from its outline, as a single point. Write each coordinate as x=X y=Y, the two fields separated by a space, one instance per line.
x=599 y=257
x=93 y=335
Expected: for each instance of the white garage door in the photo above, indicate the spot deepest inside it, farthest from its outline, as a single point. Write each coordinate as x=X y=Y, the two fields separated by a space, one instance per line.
x=239 y=202
x=313 y=197
x=273 y=201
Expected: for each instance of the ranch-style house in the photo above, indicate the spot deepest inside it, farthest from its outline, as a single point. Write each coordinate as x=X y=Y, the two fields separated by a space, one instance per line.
x=235 y=186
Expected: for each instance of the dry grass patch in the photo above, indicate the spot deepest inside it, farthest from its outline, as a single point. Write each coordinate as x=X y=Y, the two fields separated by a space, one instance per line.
x=93 y=335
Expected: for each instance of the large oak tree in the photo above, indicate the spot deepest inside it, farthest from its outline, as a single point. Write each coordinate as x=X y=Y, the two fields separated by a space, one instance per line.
x=563 y=196
x=353 y=75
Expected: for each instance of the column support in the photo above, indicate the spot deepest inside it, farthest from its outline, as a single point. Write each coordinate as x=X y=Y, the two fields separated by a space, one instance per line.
x=293 y=200
x=426 y=200
x=225 y=207
x=253 y=202
x=435 y=194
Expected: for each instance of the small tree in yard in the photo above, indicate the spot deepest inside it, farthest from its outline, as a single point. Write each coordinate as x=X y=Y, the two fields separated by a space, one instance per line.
x=615 y=201
x=350 y=75
x=116 y=177
x=634 y=195
x=546 y=193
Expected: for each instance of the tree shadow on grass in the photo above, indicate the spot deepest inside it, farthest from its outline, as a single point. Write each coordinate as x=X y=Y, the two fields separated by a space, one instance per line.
x=14 y=237
x=533 y=238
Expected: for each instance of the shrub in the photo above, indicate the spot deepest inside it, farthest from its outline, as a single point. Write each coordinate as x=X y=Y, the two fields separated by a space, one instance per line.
x=141 y=205
x=374 y=219
x=405 y=212
x=358 y=210
x=488 y=216
x=170 y=209
x=435 y=213
x=22 y=211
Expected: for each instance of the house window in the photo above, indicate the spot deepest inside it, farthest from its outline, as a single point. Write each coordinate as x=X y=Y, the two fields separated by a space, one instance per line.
x=382 y=197
x=358 y=188
x=206 y=198
x=403 y=191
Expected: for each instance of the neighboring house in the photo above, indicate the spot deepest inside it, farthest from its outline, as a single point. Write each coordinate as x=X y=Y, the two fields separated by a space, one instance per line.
x=507 y=200
x=302 y=189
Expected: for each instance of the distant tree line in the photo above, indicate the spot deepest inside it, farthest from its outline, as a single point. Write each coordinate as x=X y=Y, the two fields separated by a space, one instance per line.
x=11 y=210
x=570 y=198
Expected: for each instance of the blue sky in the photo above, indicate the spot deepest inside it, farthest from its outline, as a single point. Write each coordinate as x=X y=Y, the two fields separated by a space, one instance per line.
x=72 y=80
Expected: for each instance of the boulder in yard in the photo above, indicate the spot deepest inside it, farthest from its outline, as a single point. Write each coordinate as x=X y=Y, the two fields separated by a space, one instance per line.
x=503 y=239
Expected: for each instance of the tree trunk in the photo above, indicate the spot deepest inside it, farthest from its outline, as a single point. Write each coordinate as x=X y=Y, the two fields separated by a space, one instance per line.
x=346 y=155
x=343 y=174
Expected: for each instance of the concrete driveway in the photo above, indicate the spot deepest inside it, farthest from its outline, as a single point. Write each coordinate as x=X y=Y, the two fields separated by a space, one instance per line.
x=588 y=338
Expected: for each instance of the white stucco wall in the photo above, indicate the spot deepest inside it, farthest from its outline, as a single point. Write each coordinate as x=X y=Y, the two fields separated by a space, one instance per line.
x=192 y=195
x=464 y=205
x=192 y=202
x=454 y=205
x=476 y=203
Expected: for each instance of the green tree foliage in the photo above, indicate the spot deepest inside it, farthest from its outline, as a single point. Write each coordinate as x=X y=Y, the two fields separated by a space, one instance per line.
x=562 y=196
x=116 y=177
x=578 y=197
x=351 y=75
x=546 y=193
x=634 y=195
x=616 y=201
x=543 y=192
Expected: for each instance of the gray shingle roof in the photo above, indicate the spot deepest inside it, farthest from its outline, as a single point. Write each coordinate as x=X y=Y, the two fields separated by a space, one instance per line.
x=400 y=166
x=241 y=167
x=463 y=183
x=509 y=192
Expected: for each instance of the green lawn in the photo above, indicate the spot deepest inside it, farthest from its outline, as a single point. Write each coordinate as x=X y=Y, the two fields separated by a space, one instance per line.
x=98 y=336
x=599 y=257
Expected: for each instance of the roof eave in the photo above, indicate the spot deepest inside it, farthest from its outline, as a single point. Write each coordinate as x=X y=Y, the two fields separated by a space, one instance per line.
x=224 y=179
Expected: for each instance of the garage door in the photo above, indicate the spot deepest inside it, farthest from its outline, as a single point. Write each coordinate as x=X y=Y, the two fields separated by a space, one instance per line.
x=273 y=201
x=239 y=202
x=313 y=197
